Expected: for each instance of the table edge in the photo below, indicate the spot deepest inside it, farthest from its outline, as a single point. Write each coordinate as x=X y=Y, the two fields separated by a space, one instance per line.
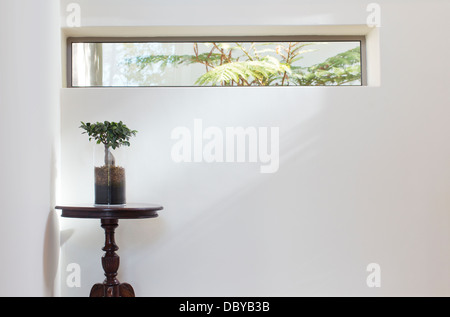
x=110 y=212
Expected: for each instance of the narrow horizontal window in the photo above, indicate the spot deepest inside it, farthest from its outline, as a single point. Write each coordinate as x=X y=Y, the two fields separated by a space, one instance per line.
x=280 y=61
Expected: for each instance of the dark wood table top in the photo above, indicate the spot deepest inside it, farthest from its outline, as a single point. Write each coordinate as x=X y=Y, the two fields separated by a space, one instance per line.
x=128 y=211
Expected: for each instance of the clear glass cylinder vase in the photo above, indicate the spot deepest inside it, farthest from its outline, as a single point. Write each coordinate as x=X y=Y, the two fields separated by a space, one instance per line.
x=109 y=175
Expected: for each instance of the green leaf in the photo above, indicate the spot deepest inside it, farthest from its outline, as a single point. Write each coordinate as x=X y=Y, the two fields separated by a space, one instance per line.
x=247 y=72
x=111 y=134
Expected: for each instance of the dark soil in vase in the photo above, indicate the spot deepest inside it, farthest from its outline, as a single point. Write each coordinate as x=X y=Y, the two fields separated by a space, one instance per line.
x=110 y=186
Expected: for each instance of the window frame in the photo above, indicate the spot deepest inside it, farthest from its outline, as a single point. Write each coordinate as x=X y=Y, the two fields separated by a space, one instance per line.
x=191 y=39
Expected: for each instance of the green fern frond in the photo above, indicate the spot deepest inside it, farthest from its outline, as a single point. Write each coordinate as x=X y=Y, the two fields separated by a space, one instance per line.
x=337 y=70
x=245 y=71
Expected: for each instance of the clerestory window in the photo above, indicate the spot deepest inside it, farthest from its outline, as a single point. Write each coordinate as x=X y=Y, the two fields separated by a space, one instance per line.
x=216 y=62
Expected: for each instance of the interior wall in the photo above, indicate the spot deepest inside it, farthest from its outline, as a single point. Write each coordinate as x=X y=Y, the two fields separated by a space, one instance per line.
x=29 y=128
x=363 y=175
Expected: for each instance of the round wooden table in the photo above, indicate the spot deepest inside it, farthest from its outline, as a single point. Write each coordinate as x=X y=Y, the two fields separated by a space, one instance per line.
x=109 y=216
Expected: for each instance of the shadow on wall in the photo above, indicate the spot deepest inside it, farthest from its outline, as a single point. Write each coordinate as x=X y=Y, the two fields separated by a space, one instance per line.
x=52 y=236
x=51 y=254
x=300 y=231
x=297 y=144
x=253 y=231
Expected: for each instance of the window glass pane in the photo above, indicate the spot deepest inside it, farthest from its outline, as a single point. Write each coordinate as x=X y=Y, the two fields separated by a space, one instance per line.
x=216 y=64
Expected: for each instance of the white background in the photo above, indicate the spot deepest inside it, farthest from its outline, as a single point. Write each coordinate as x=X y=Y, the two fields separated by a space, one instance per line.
x=364 y=171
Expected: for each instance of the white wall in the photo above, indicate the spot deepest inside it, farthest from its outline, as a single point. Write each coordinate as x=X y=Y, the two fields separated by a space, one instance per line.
x=364 y=171
x=29 y=120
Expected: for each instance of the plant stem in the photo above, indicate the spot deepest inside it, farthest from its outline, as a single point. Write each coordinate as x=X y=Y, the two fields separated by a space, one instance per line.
x=197 y=58
x=245 y=51
x=224 y=55
x=288 y=51
x=109 y=157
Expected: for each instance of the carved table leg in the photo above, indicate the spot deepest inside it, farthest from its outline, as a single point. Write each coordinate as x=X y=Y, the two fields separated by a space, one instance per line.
x=111 y=287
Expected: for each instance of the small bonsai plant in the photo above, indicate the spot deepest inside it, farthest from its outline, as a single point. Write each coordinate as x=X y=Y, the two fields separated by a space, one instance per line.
x=109 y=178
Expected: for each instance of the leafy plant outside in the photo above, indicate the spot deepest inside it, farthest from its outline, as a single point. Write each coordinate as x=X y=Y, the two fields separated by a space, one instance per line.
x=260 y=64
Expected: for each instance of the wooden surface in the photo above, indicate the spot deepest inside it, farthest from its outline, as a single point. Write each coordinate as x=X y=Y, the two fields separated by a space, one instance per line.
x=111 y=287
x=128 y=211
x=110 y=215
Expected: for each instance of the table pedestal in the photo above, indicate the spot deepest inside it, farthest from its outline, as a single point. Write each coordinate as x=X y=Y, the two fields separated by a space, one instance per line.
x=111 y=287
x=110 y=215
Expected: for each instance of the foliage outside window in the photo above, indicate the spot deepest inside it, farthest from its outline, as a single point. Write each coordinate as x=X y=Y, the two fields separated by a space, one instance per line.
x=313 y=63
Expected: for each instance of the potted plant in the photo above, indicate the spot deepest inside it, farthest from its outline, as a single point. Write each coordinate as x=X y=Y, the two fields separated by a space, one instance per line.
x=110 y=182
